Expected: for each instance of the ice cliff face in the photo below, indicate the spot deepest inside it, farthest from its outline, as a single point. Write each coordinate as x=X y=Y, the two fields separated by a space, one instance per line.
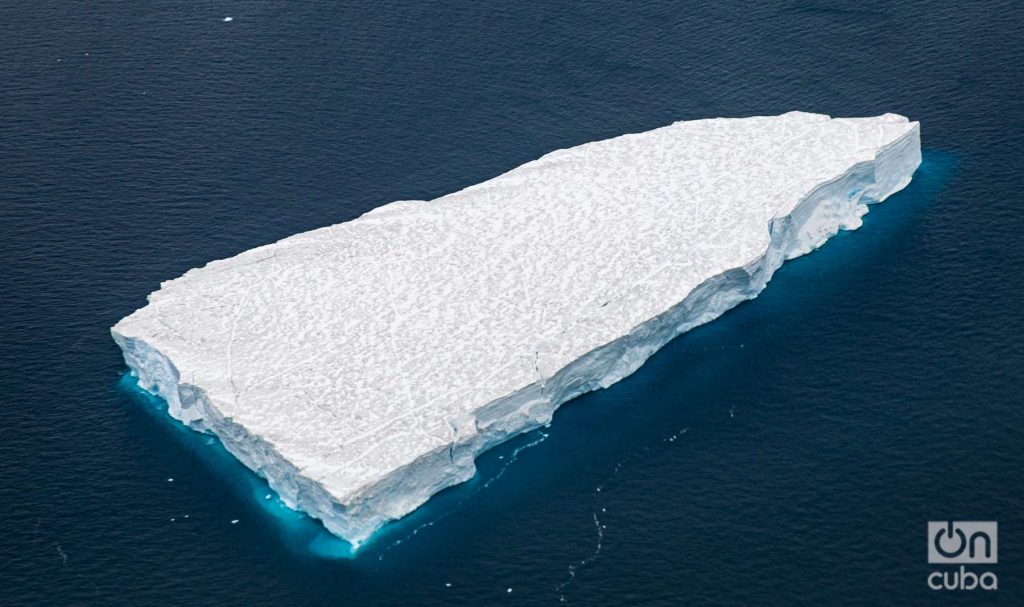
x=361 y=368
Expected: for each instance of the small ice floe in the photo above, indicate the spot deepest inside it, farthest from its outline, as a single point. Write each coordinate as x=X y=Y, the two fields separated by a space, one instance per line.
x=510 y=591
x=234 y=521
x=228 y=19
x=447 y=584
x=63 y=555
x=170 y=480
x=172 y=519
x=266 y=497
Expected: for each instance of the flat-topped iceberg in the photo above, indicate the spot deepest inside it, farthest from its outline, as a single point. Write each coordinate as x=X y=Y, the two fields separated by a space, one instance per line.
x=360 y=368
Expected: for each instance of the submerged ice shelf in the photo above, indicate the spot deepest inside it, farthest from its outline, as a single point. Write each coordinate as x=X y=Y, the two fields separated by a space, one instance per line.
x=361 y=368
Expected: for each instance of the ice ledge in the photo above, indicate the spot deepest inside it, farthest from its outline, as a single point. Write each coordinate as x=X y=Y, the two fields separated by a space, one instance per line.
x=185 y=347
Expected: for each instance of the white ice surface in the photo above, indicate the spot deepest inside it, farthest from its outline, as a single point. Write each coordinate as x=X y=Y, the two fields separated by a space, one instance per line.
x=360 y=368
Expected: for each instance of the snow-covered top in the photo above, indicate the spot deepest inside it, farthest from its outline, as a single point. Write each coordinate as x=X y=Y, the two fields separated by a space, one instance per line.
x=356 y=348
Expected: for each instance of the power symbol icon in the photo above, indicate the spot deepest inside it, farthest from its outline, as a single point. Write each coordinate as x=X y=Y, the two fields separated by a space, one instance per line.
x=950 y=531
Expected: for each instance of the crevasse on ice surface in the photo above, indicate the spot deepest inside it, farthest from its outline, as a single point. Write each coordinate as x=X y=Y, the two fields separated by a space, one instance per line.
x=361 y=368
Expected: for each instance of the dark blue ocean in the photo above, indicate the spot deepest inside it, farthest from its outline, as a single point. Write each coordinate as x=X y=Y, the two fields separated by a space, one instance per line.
x=791 y=452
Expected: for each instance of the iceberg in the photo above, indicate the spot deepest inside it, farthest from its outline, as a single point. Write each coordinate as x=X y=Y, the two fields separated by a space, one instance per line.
x=362 y=367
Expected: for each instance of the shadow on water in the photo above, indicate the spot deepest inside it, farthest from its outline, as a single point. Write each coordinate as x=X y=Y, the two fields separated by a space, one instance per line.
x=885 y=226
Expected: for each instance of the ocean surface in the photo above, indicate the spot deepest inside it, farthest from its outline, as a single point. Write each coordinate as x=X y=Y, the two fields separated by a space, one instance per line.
x=791 y=452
